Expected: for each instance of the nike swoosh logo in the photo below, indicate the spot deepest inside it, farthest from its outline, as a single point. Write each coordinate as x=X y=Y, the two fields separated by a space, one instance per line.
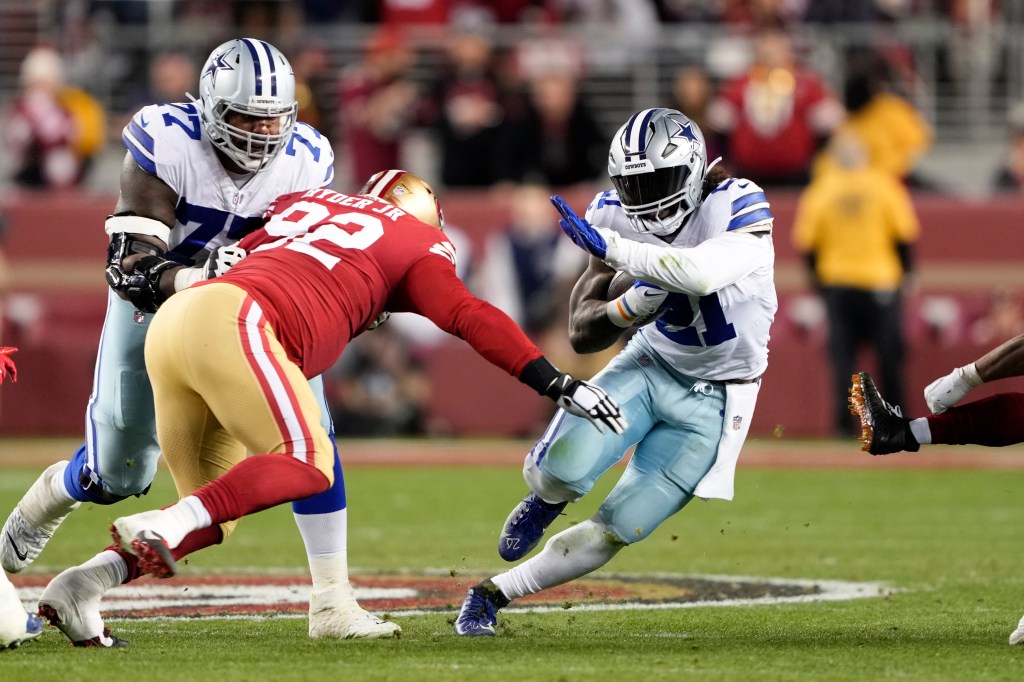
x=143 y=121
x=21 y=555
x=650 y=294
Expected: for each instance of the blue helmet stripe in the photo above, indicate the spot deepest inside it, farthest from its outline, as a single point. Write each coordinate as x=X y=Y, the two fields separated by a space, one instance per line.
x=273 y=69
x=643 y=132
x=636 y=135
x=255 y=65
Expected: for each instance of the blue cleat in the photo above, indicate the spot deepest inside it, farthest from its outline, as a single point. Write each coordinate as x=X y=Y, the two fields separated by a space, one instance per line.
x=525 y=526
x=479 y=612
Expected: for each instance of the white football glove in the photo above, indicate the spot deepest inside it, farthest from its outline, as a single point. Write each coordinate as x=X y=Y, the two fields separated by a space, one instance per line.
x=947 y=391
x=638 y=306
x=586 y=400
x=222 y=259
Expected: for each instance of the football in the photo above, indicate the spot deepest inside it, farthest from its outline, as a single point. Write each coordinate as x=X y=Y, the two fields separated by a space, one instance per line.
x=16 y=626
x=619 y=285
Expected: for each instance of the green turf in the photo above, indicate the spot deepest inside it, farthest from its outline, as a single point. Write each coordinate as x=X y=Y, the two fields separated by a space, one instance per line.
x=947 y=539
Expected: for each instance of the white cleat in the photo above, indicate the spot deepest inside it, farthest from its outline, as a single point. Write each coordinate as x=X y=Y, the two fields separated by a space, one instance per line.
x=334 y=613
x=33 y=522
x=1017 y=636
x=71 y=602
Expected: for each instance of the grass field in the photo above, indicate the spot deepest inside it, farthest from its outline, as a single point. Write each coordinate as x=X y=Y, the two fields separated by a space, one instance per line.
x=946 y=540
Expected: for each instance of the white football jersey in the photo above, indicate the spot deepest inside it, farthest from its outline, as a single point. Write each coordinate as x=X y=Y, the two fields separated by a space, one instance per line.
x=726 y=256
x=169 y=141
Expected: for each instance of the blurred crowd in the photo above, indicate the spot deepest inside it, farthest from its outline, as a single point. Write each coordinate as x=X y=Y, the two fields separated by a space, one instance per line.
x=426 y=84
x=429 y=87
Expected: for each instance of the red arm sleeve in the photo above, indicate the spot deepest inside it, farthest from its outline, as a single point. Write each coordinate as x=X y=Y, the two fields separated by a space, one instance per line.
x=432 y=289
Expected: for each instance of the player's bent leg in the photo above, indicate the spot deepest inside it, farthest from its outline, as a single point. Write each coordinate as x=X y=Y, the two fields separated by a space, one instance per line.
x=571 y=454
x=71 y=601
x=35 y=519
x=573 y=553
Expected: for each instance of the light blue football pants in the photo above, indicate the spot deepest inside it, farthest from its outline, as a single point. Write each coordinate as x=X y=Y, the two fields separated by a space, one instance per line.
x=675 y=421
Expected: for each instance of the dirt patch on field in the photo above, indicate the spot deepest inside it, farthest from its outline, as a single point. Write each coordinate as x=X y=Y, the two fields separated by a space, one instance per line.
x=409 y=594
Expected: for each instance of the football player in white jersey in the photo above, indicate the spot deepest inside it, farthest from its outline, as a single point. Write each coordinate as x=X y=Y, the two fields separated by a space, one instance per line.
x=699 y=246
x=197 y=177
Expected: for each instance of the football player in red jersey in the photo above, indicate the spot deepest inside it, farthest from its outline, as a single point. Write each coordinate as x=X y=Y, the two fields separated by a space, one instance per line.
x=995 y=421
x=230 y=358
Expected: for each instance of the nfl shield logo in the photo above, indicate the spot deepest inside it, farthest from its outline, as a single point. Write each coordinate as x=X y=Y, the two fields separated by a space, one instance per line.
x=737 y=422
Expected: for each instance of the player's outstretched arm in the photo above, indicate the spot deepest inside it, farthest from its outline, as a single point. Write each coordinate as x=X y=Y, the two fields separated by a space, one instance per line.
x=1002 y=362
x=575 y=396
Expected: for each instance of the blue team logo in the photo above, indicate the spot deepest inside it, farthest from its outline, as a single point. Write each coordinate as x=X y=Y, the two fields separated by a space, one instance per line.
x=217 y=64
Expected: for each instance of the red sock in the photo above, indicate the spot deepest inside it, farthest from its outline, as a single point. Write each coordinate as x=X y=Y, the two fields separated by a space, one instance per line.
x=197 y=540
x=994 y=421
x=258 y=483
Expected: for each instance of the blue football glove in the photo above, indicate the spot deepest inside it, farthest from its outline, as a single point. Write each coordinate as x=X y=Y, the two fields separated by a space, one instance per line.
x=579 y=230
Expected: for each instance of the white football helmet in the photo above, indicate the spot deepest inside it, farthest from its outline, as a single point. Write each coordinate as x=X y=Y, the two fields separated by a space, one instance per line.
x=657 y=163
x=250 y=77
x=408 y=192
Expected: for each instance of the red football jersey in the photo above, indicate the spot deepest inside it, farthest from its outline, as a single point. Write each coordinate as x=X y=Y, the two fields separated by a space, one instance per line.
x=327 y=264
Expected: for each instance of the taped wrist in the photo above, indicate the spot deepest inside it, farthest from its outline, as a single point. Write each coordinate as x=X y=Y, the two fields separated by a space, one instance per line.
x=971 y=376
x=186 y=277
x=619 y=312
x=543 y=377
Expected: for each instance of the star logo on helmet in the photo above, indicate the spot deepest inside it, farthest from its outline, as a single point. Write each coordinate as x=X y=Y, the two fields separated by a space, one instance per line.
x=218 y=63
x=683 y=130
x=686 y=132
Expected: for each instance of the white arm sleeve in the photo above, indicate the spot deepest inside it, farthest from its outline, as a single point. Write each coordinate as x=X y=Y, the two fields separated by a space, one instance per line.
x=700 y=270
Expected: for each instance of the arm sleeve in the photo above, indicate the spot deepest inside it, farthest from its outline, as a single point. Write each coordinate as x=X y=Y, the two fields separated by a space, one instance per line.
x=700 y=270
x=432 y=289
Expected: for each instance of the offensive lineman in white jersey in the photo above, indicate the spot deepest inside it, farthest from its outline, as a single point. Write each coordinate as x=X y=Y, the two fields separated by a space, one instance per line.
x=699 y=245
x=197 y=177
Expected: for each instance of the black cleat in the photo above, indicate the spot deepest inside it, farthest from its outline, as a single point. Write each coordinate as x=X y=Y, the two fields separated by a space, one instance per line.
x=883 y=429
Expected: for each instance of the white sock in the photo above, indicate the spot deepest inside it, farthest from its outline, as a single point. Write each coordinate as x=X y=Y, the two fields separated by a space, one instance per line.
x=325 y=535
x=573 y=553
x=180 y=519
x=107 y=569
x=922 y=430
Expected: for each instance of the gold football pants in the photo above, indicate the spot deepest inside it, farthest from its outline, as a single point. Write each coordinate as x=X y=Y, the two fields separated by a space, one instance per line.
x=223 y=386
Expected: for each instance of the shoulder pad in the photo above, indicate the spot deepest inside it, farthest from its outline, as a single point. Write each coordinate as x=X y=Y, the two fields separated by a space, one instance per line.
x=307 y=144
x=159 y=128
x=742 y=204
